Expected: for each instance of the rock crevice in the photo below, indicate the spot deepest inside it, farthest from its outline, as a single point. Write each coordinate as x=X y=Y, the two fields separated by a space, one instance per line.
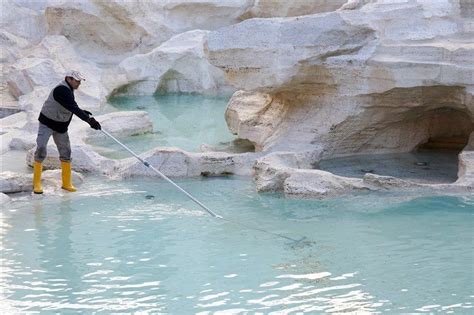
x=312 y=81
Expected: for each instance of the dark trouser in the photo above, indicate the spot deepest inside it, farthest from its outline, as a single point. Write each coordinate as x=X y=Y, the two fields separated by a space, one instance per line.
x=61 y=140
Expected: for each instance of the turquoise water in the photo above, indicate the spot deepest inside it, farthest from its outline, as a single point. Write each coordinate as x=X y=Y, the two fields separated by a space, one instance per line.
x=139 y=245
x=180 y=120
x=425 y=166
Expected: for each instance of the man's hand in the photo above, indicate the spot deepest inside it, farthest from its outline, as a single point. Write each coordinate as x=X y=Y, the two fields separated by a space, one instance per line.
x=94 y=123
x=87 y=112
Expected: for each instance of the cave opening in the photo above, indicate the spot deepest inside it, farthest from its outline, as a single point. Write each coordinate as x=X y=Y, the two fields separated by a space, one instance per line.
x=419 y=140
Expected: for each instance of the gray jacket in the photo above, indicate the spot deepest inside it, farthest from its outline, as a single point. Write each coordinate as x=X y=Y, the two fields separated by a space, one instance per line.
x=59 y=107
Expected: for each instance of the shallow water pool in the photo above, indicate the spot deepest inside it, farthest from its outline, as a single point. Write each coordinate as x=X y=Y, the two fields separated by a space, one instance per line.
x=423 y=166
x=184 y=121
x=140 y=245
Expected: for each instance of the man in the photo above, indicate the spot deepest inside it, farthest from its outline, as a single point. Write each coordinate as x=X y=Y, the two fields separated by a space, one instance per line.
x=54 y=119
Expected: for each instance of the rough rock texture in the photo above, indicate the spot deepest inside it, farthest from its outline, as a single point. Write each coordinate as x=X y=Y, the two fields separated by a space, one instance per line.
x=319 y=184
x=273 y=175
x=122 y=124
x=319 y=79
x=21 y=24
x=11 y=182
x=4 y=199
x=466 y=164
x=174 y=162
x=93 y=36
x=275 y=8
x=41 y=67
x=354 y=81
x=178 y=65
x=111 y=30
x=372 y=77
x=272 y=170
x=10 y=127
x=254 y=116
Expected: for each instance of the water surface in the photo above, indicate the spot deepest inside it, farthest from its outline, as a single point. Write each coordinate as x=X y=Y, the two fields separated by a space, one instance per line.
x=140 y=245
x=424 y=166
x=185 y=121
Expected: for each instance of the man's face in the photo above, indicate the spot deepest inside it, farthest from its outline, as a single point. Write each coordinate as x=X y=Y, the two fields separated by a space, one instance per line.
x=73 y=83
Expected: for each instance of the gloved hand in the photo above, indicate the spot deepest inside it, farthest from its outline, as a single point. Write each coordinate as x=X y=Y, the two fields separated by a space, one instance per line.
x=87 y=112
x=94 y=123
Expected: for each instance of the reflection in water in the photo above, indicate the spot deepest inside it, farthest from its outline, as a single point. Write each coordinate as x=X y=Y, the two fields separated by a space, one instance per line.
x=58 y=271
x=110 y=248
x=187 y=121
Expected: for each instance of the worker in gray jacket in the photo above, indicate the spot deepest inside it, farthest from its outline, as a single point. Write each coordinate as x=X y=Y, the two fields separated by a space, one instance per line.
x=54 y=119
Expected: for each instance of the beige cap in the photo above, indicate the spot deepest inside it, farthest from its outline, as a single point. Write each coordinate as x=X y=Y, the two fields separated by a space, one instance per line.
x=75 y=75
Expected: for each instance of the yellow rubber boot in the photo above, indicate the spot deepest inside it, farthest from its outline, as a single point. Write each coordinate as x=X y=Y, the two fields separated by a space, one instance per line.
x=66 y=176
x=37 y=169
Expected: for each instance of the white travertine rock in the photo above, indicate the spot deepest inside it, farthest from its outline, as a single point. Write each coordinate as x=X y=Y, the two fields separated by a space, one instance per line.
x=22 y=21
x=13 y=122
x=46 y=64
x=22 y=141
x=12 y=45
x=31 y=72
x=11 y=182
x=16 y=140
x=174 y=162
x=121 y=124
x=96 y=28
x=317 y=184
x=222 y=163
x=466 y=168
x=270 y=177
x=281 y=172
x=355 y=4
x=4 y=199
x=272 y=8
x=254 y=116
x=273 y=169
x=354 y=81
x=170 y=161
x=178 y=65
x=112 y=30
x=20 y=28
x=372 y=77
x=182 y=16
x=278 y=49
x=32 y=102
x=388 y=182
x=466 y=164
x=62 y=51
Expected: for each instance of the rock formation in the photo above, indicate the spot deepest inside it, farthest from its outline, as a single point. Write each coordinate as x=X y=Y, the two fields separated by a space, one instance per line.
x=384 y=77
x=353 y=81
x=314 y=80
x=178 y=65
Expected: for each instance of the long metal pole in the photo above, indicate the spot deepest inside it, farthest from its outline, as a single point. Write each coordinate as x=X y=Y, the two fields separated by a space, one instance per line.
x=212 y=213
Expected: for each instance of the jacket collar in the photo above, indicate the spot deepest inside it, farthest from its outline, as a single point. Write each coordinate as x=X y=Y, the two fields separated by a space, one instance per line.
x=65 y=83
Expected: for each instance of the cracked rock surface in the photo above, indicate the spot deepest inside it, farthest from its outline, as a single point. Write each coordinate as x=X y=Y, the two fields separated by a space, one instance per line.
x=310 y=82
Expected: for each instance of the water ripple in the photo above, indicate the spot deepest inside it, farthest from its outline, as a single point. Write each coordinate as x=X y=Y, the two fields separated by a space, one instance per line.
x=110 y=249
